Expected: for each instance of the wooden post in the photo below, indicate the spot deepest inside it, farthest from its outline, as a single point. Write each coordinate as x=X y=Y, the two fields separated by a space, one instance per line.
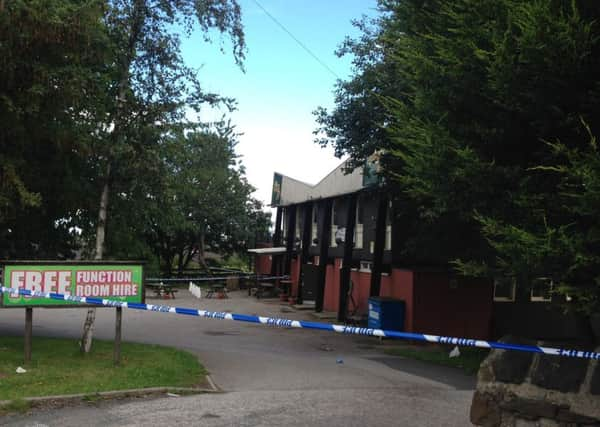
x=379 y=245
x=117 y=349
x=324 y=238
x=28 y=332
x=347 y=261
x=306 y=232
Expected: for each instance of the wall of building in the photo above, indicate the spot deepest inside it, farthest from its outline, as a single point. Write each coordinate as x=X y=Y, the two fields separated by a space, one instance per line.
x=537 y=319
x=401 y=286
x=452 y=306
x=262 y=264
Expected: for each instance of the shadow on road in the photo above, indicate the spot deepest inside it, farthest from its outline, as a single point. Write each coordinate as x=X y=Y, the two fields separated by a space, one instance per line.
x=442 y=374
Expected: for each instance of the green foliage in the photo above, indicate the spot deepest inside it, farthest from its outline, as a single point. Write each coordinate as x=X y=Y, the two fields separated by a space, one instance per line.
x=193 y=198
x=49 y=55
x=467 y=93
x=94 y=95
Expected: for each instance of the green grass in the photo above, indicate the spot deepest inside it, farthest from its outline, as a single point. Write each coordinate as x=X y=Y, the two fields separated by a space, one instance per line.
x=57 y=367
x=469 y=359
x=20 y=406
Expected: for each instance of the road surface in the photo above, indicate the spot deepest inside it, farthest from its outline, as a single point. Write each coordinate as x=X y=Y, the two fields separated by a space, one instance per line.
x=269 y=376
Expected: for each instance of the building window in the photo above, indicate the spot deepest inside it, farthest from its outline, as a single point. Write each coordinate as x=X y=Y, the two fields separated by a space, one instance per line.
x=298 y=236
x=541 y=289
x=504 y=289
x=313 y=228
x=334 y=223
x=388 y=228
x=358 y=229
x=365 y=266
x=284 y=225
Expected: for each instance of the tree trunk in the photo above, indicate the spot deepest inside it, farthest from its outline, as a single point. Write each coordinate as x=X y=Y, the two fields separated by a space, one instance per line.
x=180 y=261
x=88 y=325
x=136 y=23
x=201 y=253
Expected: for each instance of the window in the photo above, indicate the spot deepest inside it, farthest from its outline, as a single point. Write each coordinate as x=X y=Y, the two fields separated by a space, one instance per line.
x=365 y=266
x=504 y=289
x=334 y=222
x=313 y=228
x=388 y=228
x=284 y=225
x=298 y=236
x=358 y=229
x=541 y=289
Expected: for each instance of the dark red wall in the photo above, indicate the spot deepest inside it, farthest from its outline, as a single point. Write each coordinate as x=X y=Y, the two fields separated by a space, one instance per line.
x=463 y=310
x=262 y=264
x=433 y=305
x=400 y=286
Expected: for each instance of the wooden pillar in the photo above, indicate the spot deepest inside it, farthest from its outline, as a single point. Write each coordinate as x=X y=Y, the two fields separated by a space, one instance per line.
x=117 y=349
x=324 y=237
x=347 y=260
x=291 y=237
x=28 y=332
x=379 y=245
x=276 y=241
x=306 y=243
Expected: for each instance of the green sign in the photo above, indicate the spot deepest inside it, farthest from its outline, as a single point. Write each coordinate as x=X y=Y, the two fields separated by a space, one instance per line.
x=121 y=282
x=276 y=194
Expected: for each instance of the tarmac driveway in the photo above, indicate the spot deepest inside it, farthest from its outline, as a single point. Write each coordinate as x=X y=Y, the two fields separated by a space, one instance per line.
x=270 y=376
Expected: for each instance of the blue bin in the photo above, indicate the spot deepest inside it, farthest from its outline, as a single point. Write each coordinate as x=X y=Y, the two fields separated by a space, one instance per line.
x=386 y=313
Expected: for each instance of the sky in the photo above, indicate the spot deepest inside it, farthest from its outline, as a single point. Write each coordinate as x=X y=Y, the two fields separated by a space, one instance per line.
x=282 y=84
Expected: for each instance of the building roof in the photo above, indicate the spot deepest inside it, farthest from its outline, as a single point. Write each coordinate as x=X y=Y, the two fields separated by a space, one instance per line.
x=289 y=191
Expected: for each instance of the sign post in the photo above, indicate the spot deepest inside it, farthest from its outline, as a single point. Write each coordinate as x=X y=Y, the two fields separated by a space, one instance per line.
x=115 y=280
x=28 y=333
x=117 y=349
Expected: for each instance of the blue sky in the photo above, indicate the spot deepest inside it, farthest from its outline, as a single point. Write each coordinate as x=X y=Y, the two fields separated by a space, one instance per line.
x=282 y=84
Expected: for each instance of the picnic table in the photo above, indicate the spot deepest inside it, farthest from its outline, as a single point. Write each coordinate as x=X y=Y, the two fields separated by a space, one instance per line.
x=162 y=290
x=219 y=290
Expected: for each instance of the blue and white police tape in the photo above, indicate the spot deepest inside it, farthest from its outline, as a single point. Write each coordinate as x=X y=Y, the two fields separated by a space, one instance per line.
x=287 y=323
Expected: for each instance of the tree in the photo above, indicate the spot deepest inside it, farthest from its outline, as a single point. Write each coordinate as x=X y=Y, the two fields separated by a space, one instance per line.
x=51 y=53
x=150 y=87
x=199 y=199
x=483 y=86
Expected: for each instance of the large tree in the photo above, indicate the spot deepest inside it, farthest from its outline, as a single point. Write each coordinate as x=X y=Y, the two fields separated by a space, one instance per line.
x=52 y=57
x=483 y=86
x=151 y=88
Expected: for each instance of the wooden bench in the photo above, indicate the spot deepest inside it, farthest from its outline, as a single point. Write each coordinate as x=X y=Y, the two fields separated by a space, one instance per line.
x=220 y=291
x=263 y=288
x=163 y=291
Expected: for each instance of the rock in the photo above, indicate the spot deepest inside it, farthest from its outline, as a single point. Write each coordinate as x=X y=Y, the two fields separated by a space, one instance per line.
x=595 y=384
x=484 y=411
x=512 y=366
x=525 y=423
x=530 y=408
x=565 y=415
x=559 y=373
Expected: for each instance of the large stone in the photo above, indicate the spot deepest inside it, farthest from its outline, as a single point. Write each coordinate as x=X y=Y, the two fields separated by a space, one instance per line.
x=484 y=411
x=564 y=415
x=529 y=408
x=545 y=422
x=559 y=373
x=595 y=384
x=512 y=366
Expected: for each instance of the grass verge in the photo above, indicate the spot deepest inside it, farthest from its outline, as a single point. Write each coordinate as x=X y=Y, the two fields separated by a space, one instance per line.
x=57 y=368
x=468 y=361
